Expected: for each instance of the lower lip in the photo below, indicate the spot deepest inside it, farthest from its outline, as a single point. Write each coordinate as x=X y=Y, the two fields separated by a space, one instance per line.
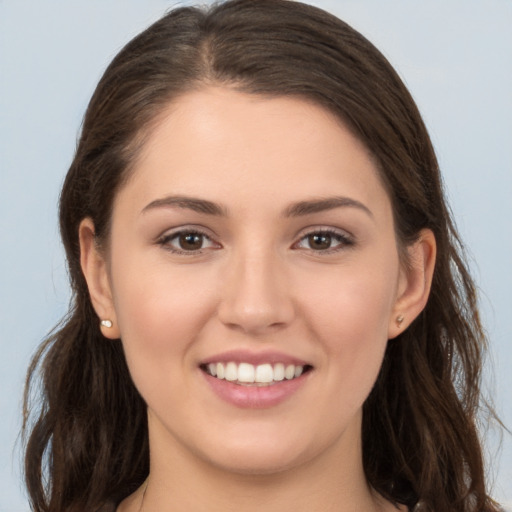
x=255 y=397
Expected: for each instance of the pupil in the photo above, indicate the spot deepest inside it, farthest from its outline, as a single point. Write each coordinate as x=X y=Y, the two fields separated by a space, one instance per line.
x=320 y=241
x=191 y=241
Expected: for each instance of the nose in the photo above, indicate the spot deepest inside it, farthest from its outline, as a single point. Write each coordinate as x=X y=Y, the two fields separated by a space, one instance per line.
x=256 y=296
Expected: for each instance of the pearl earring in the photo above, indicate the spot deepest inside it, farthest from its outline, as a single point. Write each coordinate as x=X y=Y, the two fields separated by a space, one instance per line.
x=399 y=320
x=106 y=323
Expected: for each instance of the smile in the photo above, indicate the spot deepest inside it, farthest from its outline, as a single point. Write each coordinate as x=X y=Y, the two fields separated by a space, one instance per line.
x=246 y=374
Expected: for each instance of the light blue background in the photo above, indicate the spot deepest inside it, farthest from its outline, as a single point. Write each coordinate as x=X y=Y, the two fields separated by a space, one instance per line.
x=455 y=56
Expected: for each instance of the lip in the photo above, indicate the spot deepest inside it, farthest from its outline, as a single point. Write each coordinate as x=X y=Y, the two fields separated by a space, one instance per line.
x=255 y=397
x=255 y=358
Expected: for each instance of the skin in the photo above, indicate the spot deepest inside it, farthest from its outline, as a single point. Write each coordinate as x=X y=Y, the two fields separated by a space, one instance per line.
x=256 y=284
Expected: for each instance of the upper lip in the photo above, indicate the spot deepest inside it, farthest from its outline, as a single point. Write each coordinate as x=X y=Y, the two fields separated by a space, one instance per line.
x=255 y=358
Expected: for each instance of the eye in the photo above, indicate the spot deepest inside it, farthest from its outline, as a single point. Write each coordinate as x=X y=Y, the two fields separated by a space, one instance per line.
x=187 y=241
x=324 y=241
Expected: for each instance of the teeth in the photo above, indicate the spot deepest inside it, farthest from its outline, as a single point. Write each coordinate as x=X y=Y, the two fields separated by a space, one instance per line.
x=231 y=372
x=279 y=371
x=264 y=373
x=289 y=372
x=249 y=374
x=245 y=372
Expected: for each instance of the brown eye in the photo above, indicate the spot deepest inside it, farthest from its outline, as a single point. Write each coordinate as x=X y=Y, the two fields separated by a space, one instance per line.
x=319 y=241
x=190 y=241
x=187 y=242
x=324 y=241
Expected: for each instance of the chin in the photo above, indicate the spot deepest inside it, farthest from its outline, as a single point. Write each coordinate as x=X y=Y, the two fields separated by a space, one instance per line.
x=262 y=454
x=261 y=464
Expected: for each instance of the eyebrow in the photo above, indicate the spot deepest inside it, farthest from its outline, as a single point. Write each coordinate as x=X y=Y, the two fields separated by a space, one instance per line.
x=190 y=203
x=299 y=209
x=320 y=205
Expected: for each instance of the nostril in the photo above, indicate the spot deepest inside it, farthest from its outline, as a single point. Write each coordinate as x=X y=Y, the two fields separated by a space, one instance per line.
x=254 y=326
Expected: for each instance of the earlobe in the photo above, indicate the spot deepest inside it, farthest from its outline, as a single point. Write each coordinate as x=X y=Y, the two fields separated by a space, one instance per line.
x=415 y=283
x=94 y=268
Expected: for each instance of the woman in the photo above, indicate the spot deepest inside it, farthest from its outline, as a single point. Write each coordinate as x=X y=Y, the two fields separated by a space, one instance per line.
x=270 y=300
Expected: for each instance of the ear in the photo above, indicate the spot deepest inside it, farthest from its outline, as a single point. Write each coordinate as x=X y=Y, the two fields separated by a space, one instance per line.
x=414 y=283
x=94 y=268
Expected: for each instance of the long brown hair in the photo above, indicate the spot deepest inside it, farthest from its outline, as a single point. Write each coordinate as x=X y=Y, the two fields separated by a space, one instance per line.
x=87 y=442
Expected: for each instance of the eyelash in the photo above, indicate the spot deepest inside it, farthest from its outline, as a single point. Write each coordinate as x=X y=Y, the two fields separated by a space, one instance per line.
x=165 y=241
x=344 y=241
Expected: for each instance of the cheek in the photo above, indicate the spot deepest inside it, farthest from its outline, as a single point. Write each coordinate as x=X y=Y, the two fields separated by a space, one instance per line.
x=348 y=313
x=352 y=305
x=160 y=313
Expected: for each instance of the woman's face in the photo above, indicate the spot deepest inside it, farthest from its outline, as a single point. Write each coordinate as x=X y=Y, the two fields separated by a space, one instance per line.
x=253 y=239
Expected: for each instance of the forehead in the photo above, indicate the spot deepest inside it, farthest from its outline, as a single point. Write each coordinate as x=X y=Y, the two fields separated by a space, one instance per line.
x=223 y=143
